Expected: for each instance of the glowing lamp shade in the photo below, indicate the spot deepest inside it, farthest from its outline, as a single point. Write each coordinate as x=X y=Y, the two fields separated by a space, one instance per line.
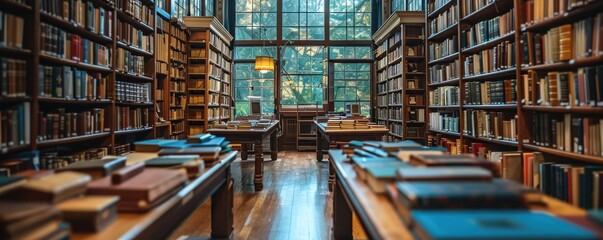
x=264 y=64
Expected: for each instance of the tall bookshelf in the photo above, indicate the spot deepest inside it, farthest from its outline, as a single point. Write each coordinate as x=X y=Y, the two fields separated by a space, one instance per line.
x=178 y=77
x=209 y=72
x=84 y=73
x=400 y=76
x=162 y=72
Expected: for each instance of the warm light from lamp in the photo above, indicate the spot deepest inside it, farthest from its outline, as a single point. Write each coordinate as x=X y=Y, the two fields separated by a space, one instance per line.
x=264 y=64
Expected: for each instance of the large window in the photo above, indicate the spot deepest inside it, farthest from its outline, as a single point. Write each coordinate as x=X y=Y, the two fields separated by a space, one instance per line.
x=249 y=82
x=180 y=9
x=195 y=7
x=252 y=17
x=408 y=5
x=302 y=79
x=349 y=52
x=352 y=85
x=350 y=19
x=210 y=7
x=303 y=20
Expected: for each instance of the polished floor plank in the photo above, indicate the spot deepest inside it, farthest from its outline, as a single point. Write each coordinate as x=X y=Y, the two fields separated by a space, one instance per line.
x=295 y=202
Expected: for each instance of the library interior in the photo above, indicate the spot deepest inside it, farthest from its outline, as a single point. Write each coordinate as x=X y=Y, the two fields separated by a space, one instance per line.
x=301 y=119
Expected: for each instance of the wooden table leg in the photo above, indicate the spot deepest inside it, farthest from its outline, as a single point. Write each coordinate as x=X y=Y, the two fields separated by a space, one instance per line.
x=259 y=167
x=221 y=210
x=331 y=175
x=244 y=148
x=273 y=147
x=342 y=215
x=319 y=141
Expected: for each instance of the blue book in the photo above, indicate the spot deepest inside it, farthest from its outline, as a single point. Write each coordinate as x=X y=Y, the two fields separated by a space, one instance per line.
x=199 y=138
x=495 y=224
x=213 y=142
x=152 y=145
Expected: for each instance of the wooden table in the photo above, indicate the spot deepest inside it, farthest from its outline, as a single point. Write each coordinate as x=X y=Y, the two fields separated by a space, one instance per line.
x=253 y=136
x=378 y=215
x=343 y=136
x=158 y=223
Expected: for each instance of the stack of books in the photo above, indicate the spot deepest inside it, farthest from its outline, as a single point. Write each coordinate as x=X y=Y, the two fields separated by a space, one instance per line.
x=431 y=189
x=245 y=125
x=232 y=125
x=219 y=126
x=361 y=123
x=377 y=126
x=333 y=124
x=347 y=124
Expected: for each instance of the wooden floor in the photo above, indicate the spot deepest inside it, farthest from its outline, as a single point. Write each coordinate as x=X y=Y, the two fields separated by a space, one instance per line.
x=295 y=202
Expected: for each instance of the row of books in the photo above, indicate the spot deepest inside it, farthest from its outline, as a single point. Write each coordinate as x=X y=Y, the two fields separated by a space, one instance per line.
x=577 y=184
x=415 y=50
x=470 y=6
x=219 y=44
x=83 y=13
x=133 y=92
x=159 y=94
x=580 y=88
x=490 y=125
x=394 y=39
x=178 y=127
x=214 y=85
x=394 y=70
x=416 y=115
x=442 y=49
x=491 y=92
x=71 y=83
x=176 y=113
x=444 y=96
x=436 y=4
x=130 y=63
x=64 y=123
x=500 y=57
x=394 y=98
x=215 y=71
x=488 y=30
x=396 y=128
x=196 y=113
x=395 y=113
x=444 y=121
x=11 y=30
x=134 y=37
x=444 y=20
x=394 y=84
x=382 y=113
x=15 y=125
x=213 y=113
x=568 y=133
x=538 y=10
x=58 y=43
x=197 y=52
x=395 y=54
x=442 y=72
x=178 y=33
x=178 y=71
x=194 y=68
x=162 y=46
x=178 y=55
x=177 y=86
x=196 y=99
x=13 y=76
x=139 y=10
x=129 y=118
x=177 y=100
x=55 y=160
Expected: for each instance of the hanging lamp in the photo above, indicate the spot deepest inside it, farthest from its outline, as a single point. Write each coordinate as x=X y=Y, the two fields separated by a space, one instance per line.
x=264 y=64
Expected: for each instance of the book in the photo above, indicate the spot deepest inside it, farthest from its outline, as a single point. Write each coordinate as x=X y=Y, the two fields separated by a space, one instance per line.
x=206 y=153
x=89 y=213
x=494 y=224
x=443 y=174
x=395 y=146
x=96 y=168
x=191 y=164
x=11 y=182
x=512 y=166
x=453 y=160
x=54 y=188
x=199 y=138
x=380 y=174
x=151 y=145
x=22 y=220
x=141 y=192
x=361 y=163
x=405 y=155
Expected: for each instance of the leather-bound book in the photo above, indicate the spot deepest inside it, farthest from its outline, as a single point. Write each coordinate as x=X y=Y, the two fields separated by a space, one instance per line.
x=190 y=164
x=142 y=191
x=19 y=220
x=444 y=174
x=453 y=160
x=151 y=145
x=208 y=154
x=53 y=188
x=89 y=213
x=97 y=168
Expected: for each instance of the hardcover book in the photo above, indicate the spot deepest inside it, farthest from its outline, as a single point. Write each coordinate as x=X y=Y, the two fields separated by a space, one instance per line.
x=11 y=182
x=191 y=164
x=493 y=224
x=208 y=154
x=142 y=191
x=453 y=160
x=404 y=155
x=89 y=213
x=380 y=174
x=199 y=138
x=151 y=145
x=96 y=168
x=19 y=220
x=443 y=174
x=53 y=188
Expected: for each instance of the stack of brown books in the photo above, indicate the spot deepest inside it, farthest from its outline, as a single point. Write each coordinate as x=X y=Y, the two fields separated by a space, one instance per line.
x=208 y=154
x=347 y=124
x=20 y=220
x=361 y=123
x=89 y=213
x=333 y=124
x=376 y=126
x=245 y=125
x=232 y=125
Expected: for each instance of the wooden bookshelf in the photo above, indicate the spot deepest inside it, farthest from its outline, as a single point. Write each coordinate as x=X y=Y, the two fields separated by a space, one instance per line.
x=400 y=90
x=162 y=73
x=209 y=74
x=177 y=84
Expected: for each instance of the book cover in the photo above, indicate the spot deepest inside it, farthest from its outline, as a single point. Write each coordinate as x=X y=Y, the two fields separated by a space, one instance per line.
x=96 y=168
x=494 y=224
x=444 y=174
x=89 y=213
x=152 y=145
x=54 y=188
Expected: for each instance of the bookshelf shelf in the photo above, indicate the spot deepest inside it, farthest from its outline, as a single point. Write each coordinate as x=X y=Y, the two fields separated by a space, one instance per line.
x=69 y=140
x=453 y=107
x=14 y=52
x=16 y=7
x=441 y=9
x=128 y=76
x=579 y=13
x=395 y=120
x=13 y=100
x=445 y=59
x=568 y=109
x=132 y=131
x=195 y=105
x=73 y=28
x=444 y=33
x=495 y=141
x=568 y=65
x=445 y=132
x=163 y=14
x=134 y=50
x=135 y=22
x=451 y=82
x=510 y=72
x=488 y=44
x=569 y=155
x=13 y=149
x=494 y=8
x=492 y=107
x=80 y=65
x=135 y=104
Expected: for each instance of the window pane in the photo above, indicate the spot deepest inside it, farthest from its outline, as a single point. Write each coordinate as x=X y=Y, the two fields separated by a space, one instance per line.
x=351 y=86
x=350 y=15
x=261 y=14
x=308 y=15
x=248 y=82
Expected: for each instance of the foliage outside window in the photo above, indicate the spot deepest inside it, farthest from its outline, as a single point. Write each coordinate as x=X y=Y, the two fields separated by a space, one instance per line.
x=408 y=5
x=352 y=85
x=195 y=7
x=210 y=7
x=303 y=20
x=249 y=82
x=180 y=8
x=252 y=16
x=350 y=52
x=350 y=19
x=302 y=80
